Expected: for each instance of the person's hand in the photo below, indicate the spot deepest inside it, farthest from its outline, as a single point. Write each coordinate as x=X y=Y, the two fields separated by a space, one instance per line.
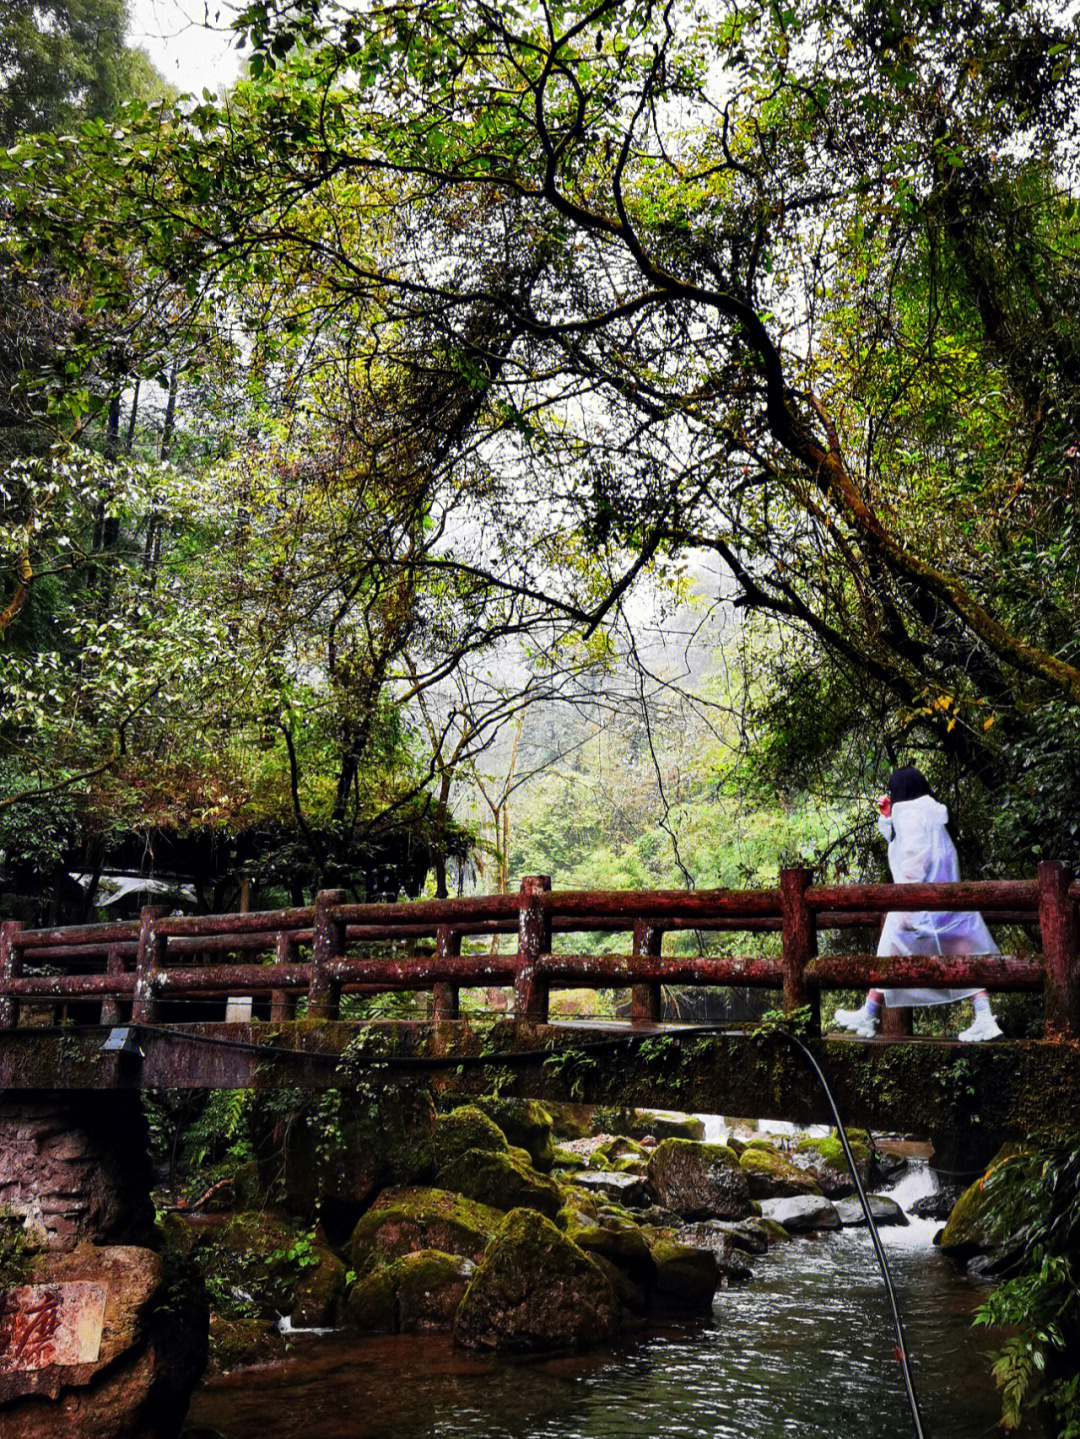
x=884 y=805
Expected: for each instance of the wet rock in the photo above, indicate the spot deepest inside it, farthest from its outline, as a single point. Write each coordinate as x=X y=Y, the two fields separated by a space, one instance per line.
x=723 y=1237
x=419 y=1291
x=503 y=1181
x=368 y=1143
x=802 y=1213
x=699 y=1181
x=525 y=1123
x=404 y=1221
x=629 y=1189
x=687 y=1276
x=885 y=1211
x=769 y=1175
x=938 y=1205
x=535 y=1290
x=827 y=1163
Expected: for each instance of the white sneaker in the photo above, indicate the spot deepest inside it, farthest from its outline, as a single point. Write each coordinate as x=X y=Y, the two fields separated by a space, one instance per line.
x=984 y=1027
x=859 y=1021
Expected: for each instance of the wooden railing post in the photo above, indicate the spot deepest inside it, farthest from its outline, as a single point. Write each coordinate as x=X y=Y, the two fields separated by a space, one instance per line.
x=799 y=943
x=114 y=964
x=645 y=999
x=534 y=939
x=324 y=993
x=1057 y=921
x=283 y=1001
x=446 y=995
x=10 y=968
x=149 y=958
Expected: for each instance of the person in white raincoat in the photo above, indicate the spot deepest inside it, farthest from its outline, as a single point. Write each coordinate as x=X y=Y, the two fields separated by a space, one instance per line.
x=921 y=850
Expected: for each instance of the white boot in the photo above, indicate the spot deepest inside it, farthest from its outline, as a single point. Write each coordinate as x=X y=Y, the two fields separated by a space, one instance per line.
x=985 y=1026
x=861 y=1022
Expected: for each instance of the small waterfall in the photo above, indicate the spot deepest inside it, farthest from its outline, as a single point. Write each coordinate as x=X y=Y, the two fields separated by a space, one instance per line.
x=917 y=1181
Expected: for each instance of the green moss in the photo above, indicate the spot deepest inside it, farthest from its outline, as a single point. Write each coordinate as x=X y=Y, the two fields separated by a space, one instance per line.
x=463 y=1129
x=769 y=1175
x=504 y=1181
x=406 y=1220
x=421 y=1290
x=526 y=1125
x=15 y=1250
x=567 y=1160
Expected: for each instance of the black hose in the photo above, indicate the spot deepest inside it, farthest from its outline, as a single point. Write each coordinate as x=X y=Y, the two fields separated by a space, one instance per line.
x=879 y=1249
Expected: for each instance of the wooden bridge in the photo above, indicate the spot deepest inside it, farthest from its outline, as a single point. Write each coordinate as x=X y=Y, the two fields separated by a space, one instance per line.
x=167 y=978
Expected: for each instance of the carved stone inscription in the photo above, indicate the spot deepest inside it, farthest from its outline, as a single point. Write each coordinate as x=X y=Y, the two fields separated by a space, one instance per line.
x=45 y=1324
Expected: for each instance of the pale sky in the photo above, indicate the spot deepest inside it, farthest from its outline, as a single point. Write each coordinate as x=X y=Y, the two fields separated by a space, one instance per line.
x=189 y=41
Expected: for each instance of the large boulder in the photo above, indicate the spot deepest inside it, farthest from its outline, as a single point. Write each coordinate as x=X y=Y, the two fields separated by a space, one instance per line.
x=536 y=1290
x=826 y=1161
x=687 y=1276
x=347 y=1147
x=404 y=1221
x=885 y=1211
x=629 y=1189
x=801 y=1214
x=622 y=1243
x=526 y=1125
x=983 y=1218
x=646 y=1123
x=262 y=1264
x=133 y=1340
x=769 y=1175
x=464 y=1129
x=699 y=1181
x=421 y=1290
x=503 y=1181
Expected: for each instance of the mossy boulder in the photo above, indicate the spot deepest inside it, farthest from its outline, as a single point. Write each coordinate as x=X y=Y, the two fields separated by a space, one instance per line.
x=255 y=1264
x=687 y=1277
x=360 y=1143
x=769 y=1175
x=319 y=1292
x=240 y=1343
x=627 y=1189
x=404 y=1221
x=419 y=1291
x=699 y=1181
x=640 y=1123
x=567 y=1160
x=463 y=1129
x=984 y=1216
x=535 y=1290
x=621 y=1148
x=525 y=1124
x=826 y=1161
x=569 y=1121
x=503 y=1181
x=620 y=1242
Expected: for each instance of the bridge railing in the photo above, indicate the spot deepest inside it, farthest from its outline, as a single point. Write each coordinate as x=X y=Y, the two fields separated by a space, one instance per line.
x=134 y=968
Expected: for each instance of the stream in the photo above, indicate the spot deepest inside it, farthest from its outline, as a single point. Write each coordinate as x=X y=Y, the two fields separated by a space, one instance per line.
x=806 y=1348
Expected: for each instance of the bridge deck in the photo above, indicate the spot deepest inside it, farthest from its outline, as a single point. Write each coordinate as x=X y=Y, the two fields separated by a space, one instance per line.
x=913 y=1086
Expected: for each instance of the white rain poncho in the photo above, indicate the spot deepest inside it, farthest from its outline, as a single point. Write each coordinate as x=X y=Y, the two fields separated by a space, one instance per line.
x=921 y=851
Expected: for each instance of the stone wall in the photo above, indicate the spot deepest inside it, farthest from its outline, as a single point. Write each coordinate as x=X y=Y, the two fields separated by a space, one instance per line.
x=74 y=1166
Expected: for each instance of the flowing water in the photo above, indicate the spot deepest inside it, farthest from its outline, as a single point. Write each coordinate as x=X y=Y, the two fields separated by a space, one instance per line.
x=806 y=1348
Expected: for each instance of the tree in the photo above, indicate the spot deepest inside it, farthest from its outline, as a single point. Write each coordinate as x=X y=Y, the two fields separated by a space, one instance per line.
x=705 y=282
